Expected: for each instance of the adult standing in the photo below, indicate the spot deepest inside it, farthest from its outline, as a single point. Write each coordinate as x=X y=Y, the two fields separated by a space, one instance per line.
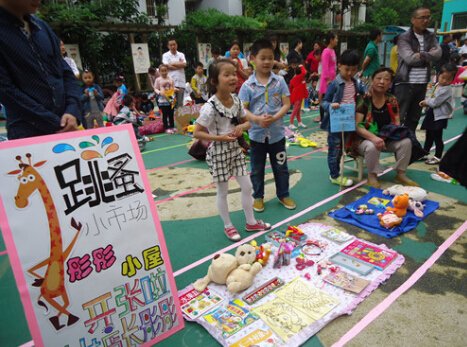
x=296 y=53
x=37 y=87
x=463 y=48
x=176 y=63
x=418 y=49
x=445 y=52
x=393 y=55
x=371 y=61
x=69 y=60
x=312 y=61
x=240 y=64
x=375 y=112
x=279 y=59
x=328 y=69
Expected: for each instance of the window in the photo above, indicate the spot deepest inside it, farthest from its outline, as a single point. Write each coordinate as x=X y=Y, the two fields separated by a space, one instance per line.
x=151 y=8
x=459 y=21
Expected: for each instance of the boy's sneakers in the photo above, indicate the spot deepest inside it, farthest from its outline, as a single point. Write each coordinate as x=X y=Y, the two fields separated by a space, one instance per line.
x=301 y=125
x=232 y=233
x=433 y=161
x=292 y=127
x=341 y=181
x=259 y=226
x=288 y=203
x=258 y=205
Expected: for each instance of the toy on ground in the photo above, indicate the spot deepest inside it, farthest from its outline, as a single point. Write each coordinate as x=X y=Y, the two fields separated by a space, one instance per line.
x=301 y=141
x=363 y=209
x=263 y=290
x=401 y=203
x=235 y=271
x=415 y=193
x=389 y=219
x=416 y=207
x=442 y=177
x=283 y=255
x=295 y=233
x=263 y=252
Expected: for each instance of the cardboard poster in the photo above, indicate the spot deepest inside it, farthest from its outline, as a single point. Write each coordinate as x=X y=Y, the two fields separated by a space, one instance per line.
x=140 y=53
x=247 y=50
x=85 y=242
x=284 y=48
x=342 y=118
x=73 y=52
x=204 y=53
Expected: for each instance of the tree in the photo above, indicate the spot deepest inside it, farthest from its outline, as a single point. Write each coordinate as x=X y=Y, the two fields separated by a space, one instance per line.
x=398 y=12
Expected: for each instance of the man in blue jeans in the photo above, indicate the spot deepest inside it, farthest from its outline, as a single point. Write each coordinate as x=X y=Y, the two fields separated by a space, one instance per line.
x=266 y=99
x=37 y=87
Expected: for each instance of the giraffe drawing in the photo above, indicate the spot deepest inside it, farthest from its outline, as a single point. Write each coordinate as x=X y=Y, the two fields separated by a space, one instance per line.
x=52 y=283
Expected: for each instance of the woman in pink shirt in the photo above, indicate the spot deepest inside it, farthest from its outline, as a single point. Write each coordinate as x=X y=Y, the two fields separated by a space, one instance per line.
x=328 y=68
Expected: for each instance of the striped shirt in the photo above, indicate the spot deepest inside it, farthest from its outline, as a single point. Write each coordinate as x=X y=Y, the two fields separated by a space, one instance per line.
x=349 y=93
x=417 y=75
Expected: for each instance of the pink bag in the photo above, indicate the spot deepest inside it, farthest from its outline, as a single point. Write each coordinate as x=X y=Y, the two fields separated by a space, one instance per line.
x=153 y=127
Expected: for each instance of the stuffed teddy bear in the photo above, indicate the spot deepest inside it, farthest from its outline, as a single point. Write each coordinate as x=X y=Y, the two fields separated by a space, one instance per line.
x=389 y=219
x=237 y=272
x=416 y=193
x=417 y=207
x=401 y=203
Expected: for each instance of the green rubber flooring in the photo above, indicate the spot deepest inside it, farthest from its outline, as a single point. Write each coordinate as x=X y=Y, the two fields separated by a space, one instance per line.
x=193 y=236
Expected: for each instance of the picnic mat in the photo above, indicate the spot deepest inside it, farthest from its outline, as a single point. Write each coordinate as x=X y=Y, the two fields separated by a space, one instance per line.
x=371 y=224
x=297 y=310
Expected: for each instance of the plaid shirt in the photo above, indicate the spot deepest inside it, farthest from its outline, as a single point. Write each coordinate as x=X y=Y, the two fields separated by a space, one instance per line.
x=36 y=84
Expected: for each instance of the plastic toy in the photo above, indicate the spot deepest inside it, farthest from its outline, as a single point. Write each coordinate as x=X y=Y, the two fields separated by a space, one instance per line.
x=236 y=272
x=303 y=263
x=313 y=247
x=295 y=233
x=389 y=219
x=401 y=203
x=283 y=255
x=263 y=290
x=442 y=177
x=363 y=209
x=263 y=252
x=302 y=142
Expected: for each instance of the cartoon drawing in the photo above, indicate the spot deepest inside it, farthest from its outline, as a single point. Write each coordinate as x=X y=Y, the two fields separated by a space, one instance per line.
x=52 y=284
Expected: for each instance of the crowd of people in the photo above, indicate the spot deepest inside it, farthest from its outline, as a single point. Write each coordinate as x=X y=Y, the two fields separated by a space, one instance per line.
x=40 y=92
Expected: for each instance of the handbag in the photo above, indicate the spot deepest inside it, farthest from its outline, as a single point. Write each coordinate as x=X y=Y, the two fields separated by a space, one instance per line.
x=198 y=149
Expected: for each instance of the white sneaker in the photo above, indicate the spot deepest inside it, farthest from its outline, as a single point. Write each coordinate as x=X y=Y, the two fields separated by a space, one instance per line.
x=292 y=127
x=301 y=125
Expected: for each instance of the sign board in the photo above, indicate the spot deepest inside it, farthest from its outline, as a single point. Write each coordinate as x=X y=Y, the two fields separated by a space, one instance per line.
x=73 y=52
x=85 y=242
x=284 y=48
x=140 y=53
x=342 y=118
x=247 y=50
x=204 y=53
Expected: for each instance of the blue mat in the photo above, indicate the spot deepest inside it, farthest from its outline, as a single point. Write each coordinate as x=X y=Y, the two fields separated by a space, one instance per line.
x=371 y=223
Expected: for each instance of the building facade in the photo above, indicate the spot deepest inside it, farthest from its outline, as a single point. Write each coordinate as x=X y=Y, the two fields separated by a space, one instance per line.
x=176 y=10
x=454 y=15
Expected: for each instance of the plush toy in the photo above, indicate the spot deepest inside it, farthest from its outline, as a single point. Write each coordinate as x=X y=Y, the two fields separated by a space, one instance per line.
x=416 y=193
x=389 y=219
x=417 y=207
x=401 y=203
x=237 y=272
